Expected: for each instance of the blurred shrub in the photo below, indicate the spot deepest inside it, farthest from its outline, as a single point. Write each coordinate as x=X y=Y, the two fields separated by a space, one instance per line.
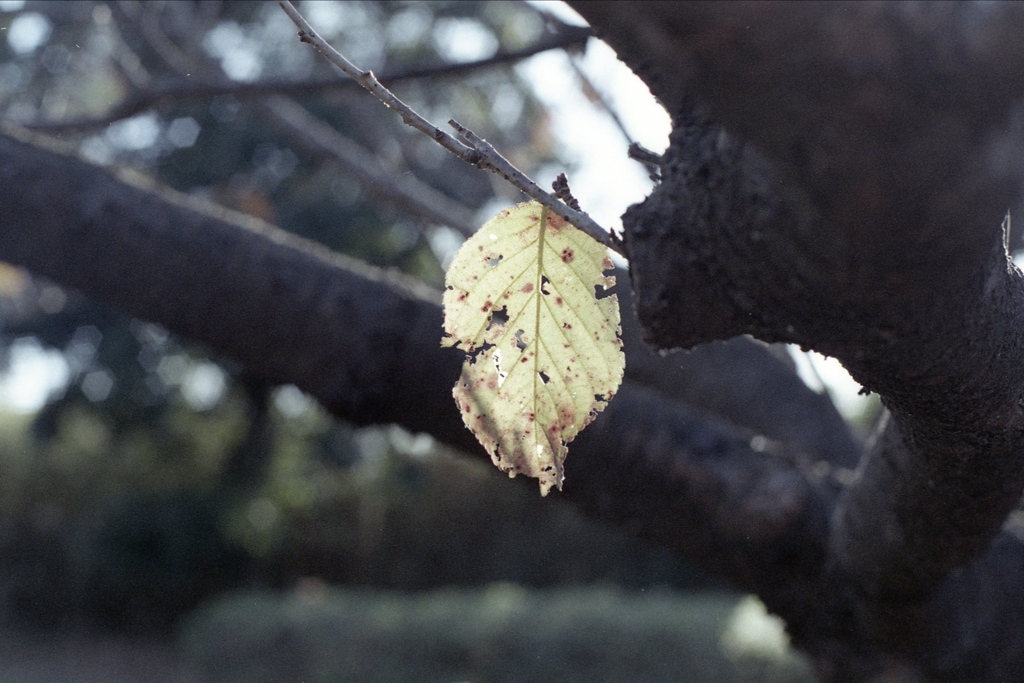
x=411 y=515
x=131 y=529
x=108 y=529
x=156 y=557
x=497 y=635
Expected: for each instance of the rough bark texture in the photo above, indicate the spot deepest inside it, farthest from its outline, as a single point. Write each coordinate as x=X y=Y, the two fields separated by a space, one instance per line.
x=837 y=177
x=747 y=384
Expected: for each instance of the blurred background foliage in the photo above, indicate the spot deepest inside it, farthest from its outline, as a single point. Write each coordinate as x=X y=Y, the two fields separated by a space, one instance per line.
x=147 y=477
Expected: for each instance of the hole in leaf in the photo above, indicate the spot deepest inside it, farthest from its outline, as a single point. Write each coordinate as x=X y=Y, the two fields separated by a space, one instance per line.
x=544 y=282
x=520 y=344
x=499 y=316
x=543 y=377
x=475 y=353
x=494 y=260
x=602 y=292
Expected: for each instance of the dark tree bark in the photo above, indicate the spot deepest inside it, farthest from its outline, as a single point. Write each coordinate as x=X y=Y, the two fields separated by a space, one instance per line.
x=837 y=177
x=853 y=206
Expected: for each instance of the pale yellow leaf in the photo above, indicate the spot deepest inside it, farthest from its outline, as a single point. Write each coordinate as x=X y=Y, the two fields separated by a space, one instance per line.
x=543 y=352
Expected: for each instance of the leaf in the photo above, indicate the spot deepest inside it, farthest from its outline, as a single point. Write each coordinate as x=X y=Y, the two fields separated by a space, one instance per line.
x=543 y=352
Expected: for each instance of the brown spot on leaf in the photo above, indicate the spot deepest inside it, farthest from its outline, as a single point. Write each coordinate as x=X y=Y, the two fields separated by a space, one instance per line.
x=556 y=222
x=568 y=255
x=487 y=306
x=527 y=288
x=558 y=300
x=567 y=326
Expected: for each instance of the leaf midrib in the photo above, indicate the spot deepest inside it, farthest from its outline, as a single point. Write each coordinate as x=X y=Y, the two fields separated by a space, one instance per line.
x=538 y=293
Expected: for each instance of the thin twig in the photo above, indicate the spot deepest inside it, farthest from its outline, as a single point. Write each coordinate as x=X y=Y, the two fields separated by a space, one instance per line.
x=190 y=89
x=589 y=87
x=478 y=152
x=490 y=160
x=321 y=140
x=650 y=161
x=405 y=190
x=638 y=152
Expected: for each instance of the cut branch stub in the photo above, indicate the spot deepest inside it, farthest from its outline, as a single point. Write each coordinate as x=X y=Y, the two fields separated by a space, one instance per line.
x=544 y=354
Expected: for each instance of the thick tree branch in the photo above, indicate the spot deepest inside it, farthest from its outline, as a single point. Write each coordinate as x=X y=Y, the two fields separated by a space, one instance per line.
x=365 y=344
x=742 y=382
x=853 y=206
x=864 y=224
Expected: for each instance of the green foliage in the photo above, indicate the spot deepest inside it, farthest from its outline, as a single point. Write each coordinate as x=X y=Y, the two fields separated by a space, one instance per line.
x=501 y=634
x=544 y=354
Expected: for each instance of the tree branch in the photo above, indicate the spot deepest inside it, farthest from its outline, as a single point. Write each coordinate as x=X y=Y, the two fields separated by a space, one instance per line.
x=865 y=225
x=405 y=191
x=567 y=37
x=365 y=343
x=478 y=152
